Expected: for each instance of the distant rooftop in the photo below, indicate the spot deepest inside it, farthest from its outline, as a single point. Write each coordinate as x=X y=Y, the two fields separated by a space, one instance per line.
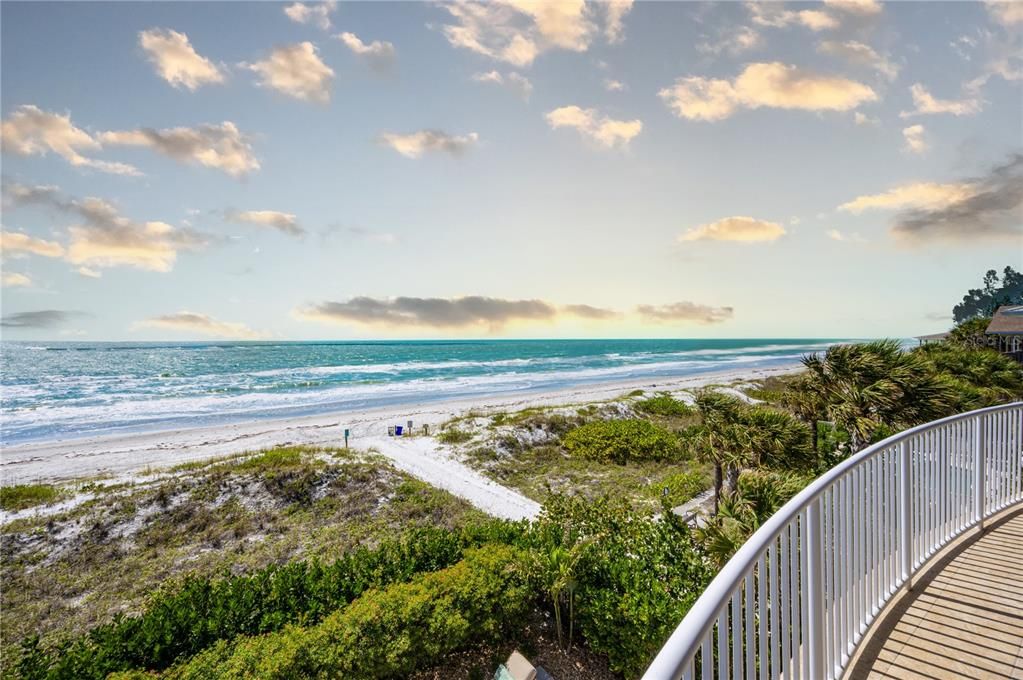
x=1008 y=320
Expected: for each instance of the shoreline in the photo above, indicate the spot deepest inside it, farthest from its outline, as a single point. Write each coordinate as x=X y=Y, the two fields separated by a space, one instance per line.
x=119 y=454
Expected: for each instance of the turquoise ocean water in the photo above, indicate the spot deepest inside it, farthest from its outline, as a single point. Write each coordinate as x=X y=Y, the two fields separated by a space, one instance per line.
x=62 y=390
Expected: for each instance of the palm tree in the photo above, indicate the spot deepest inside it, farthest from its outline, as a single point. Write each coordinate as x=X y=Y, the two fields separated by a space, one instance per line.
x=718 y=439
x=556 y=566
x=869 y=387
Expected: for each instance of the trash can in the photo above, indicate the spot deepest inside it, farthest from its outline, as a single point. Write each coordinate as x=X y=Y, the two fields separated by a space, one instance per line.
x=397 y=430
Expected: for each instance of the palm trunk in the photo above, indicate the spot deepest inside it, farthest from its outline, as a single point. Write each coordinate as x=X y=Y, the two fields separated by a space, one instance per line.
x=733 y=479
x=718 y=483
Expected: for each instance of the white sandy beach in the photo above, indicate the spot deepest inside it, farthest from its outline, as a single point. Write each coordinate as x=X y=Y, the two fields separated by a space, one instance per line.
x=422 y=457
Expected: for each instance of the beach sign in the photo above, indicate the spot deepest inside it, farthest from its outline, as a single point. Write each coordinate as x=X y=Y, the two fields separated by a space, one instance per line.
x=409 y=430
x=346 y=437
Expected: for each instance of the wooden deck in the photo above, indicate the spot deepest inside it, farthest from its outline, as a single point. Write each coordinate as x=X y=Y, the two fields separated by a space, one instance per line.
x=963 y=618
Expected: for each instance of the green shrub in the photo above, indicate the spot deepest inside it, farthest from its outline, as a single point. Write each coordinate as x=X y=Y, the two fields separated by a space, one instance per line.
x=24 y=496
x=385 y=633
x=620 y=441
x=664 y=405
x=636 y=579
x=202 y=611
x=682 y=486
x=452 y=435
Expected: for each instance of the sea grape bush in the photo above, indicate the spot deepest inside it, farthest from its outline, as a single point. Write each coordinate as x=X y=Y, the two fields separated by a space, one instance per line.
x=664 y=405
x=181 y=622
x=619 y=441
x=385 y=633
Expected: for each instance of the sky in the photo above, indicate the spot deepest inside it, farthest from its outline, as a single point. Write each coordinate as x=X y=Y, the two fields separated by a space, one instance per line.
x=297 y=171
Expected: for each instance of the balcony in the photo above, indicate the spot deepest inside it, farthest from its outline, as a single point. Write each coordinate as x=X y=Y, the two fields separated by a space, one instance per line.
x=904 y=561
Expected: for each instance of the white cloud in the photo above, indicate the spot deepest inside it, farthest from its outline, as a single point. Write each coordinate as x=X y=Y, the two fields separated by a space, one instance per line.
x=30 y=131
x=612 y=85
x=614 y=26
x=854 y=237
x=916 y=142
x=516 y=82
x=201 y=324
x=415 y=144
x=606 y=132
x=774 y=15
x=379 y=55
x=863 y=119
x=176 y=61
x=17 y=244
x=517 y=31
x=739 y=228
x=927 y=195
x=311 y=13
x=215 y=146
x=89 y=273
x=1007 y=14
x=102 y=237
x=773 y=85
x=860 y=54
x=860 y=7
x=15 y=280
x=733 y=41
x=281 y=221
x=297 y=71
x=926 y=103
x=684 y=311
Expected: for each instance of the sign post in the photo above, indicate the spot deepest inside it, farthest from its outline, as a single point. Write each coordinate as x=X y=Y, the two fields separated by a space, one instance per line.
x=346 y=437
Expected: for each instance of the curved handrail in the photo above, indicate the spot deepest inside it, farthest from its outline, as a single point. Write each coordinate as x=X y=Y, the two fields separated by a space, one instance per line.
x=801 y=516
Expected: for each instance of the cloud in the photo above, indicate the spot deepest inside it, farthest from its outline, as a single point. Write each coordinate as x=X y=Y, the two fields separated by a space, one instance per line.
x=863 y=119
x=17 y=243
x=926 y=103
x=430 y=312
x=1006 y=13
x=30 y=131
x=516 y=82
x=43 y=318
x=89 y=273
x=176 y=61
x=281 y=221
x=379 y=55
x=734 y=41
x=991 y=211
x=859 y=54
x=446 y=313
x=854 y=237
x=739 y=228
x=201 y=324
x=614 y=25
x=103 y=237
x=15 y=280
x=590 y=312
x=604 y=131
x=297 y=71
x=684 y=311
x=774 y=15
x=773 y=85
x=517 y=31
x=308 y=13
x=915 y=140
x=612 y=85
x=222 y=147
x=857 y=7
x=415 y=144
x=926 y=195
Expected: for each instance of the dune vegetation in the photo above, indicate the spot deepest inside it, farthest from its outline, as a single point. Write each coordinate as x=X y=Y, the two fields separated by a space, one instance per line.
x=320 y=563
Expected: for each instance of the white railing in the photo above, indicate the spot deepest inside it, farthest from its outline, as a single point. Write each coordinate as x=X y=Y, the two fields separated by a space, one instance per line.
x=798 y=596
